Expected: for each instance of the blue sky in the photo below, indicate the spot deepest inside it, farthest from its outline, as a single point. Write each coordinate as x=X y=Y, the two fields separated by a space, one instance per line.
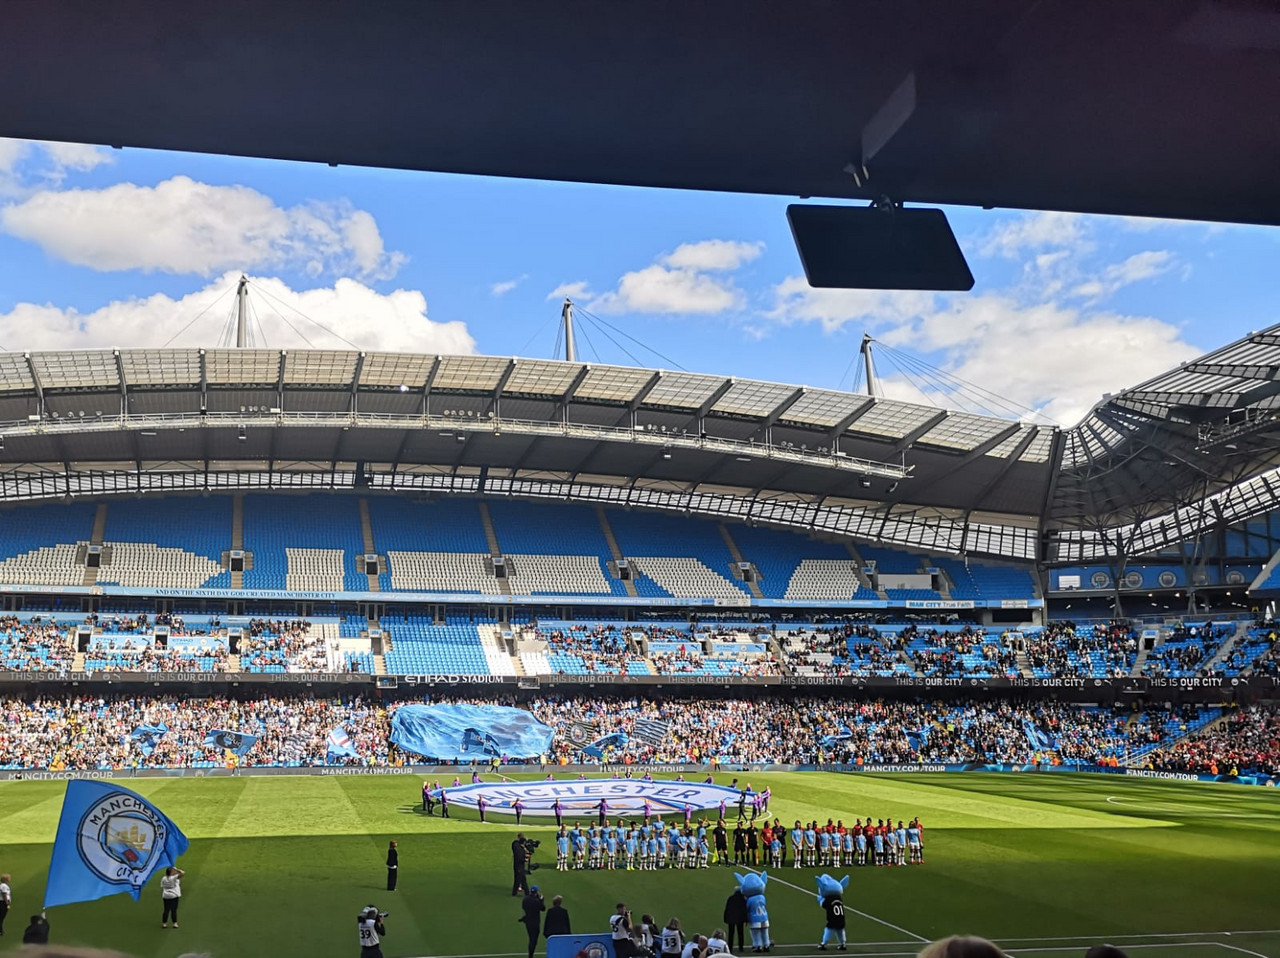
x=106 y=247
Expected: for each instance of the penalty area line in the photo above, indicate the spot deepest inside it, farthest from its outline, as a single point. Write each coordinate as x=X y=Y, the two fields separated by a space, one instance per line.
x=879 y=921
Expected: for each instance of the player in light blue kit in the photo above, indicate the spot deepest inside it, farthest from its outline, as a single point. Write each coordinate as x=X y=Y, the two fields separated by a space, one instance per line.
x=810 y=846
x=562 y=851
x=651 y=861
x=913 y=845
x=632 y=844
x=797 y=843
x=662 y=849
x=877 y=845
x=611 y=850
x=579 y=851
x=775 y=851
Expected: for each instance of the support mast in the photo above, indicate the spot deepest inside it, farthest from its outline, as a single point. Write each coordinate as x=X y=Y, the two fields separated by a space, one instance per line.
x=873 y=384
x=242 y=300
x=566 y=316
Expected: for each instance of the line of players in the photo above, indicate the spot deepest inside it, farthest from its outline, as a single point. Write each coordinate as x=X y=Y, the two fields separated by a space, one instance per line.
x=655 y=845
x=833 y=845
x=632 y=847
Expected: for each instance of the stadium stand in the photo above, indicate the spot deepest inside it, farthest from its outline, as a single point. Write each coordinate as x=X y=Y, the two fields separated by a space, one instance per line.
x=303 y=543
x=792 y=567
x=38 y=544
x=432 y=546
x=554 y=549
x=422 y=647
x=676 y=556
x=174 y=543
x=67 y=731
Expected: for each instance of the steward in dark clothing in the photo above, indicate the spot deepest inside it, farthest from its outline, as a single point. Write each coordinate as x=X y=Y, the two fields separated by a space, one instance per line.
x=393 y=866
x=735 y=919
x=36 y=933
x=532 y=917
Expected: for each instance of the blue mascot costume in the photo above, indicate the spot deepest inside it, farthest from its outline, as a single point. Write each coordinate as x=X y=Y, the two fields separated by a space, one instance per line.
x=830 y=894
x=752 y=886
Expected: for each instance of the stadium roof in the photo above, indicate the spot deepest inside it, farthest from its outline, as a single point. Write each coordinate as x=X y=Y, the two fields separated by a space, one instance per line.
x=1148 y=468
x=1152 y=108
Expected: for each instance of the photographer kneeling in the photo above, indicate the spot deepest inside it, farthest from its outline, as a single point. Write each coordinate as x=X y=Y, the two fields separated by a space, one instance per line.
x=372 y=929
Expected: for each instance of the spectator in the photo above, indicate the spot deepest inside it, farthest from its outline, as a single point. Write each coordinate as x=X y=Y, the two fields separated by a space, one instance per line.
x=557 y=920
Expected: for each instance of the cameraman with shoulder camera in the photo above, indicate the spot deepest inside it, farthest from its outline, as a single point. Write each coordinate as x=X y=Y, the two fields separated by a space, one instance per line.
x=372 y=929
x=519 y=864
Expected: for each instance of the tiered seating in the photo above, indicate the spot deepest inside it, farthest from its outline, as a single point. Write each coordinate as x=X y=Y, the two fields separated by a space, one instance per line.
x=171 y=543
x=561 y=575
x=687 y=578
x=276 y=523
x=578 y=649
x=272 y=646
x=823 y=580
x=554 y=548
x=147 y=566
x=34 y=645
x=419 y=647
x=979 y=580
x=536 y=663
x=1188 y=650
x=442 y=572
x=792 y=567
x=1150 y=731
x=1247 y=653
x=315 y=570
x=966 y=651
x=1083 y=651
x=38 y=543
x=846 y=650
x=431 y=546
x=676 y=556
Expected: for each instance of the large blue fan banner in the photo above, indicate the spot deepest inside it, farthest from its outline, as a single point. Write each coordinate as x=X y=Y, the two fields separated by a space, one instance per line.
x=469 y=732
x=110 y=840
x=238 y=742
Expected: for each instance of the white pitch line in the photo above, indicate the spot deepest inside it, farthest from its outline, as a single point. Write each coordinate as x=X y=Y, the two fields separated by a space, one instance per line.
x=1256 y=954
x=880 y=921
x=1109 y=937
x=908 y=954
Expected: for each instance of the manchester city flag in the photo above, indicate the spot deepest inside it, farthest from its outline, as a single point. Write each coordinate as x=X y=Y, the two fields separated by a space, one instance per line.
x=238 y=742
x=110 y=840
x=148 y=737
x=339 y=745
x=580 y=734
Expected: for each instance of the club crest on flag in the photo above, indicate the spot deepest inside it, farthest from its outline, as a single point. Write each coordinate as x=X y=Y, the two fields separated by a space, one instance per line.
x=118 y=840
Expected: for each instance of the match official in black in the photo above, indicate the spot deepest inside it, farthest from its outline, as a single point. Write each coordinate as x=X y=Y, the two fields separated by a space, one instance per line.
x=532 y=917
x=393 y=866
x=557 y=920
x=519 y=863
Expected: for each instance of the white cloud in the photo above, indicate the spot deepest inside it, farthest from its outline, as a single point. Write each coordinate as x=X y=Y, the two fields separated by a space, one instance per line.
x=795 y=301
x=26 y=163
x=1138 y=267
x=372 y=320
x=1053 y=358
x=507 y=285
x=579 y=289
x=184 y=226
x=1014 y=238
x=691 y=280
x=657 y=289
x=713 y=255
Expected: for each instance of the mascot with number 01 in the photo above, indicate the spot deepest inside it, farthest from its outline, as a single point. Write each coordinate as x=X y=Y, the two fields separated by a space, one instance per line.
x=752 y=886
x=831 y=898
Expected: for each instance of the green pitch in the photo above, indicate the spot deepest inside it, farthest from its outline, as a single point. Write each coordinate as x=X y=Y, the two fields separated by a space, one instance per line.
x=1045 y=864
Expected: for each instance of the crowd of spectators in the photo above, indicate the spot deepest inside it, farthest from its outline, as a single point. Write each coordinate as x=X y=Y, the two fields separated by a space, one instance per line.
x=285 y=644
x=90 y=732
x=35 y=645
x=1245 y=742
x=61 y=732
x=602 y=649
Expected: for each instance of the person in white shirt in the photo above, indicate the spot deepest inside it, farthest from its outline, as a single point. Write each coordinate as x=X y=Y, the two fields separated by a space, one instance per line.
x=6 y=899
x=171 y=892
x=370 y=924
x=672 y=939
x=717 y=944
x=696 y=948
x=620 y=931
